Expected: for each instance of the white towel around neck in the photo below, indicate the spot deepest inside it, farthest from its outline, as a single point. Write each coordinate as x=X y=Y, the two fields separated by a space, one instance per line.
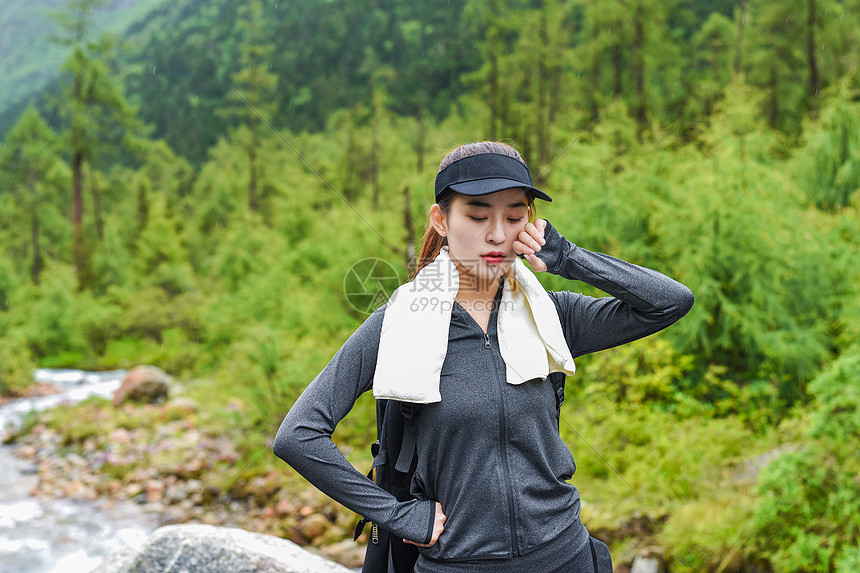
x=414 y=339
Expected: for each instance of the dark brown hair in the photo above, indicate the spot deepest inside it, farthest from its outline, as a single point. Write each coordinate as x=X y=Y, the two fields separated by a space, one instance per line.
x=432 y=242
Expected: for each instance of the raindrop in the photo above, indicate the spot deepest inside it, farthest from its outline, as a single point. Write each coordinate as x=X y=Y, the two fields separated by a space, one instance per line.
x=162 y=348
x=578 y=73
x=153 y=70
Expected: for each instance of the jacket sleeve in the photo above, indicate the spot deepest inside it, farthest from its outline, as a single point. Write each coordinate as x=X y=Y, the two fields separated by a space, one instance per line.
x=643 y=301
x=304 y=439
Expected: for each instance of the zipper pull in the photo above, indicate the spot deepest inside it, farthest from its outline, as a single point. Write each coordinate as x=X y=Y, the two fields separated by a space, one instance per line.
x=374 y=534
x=486 y=340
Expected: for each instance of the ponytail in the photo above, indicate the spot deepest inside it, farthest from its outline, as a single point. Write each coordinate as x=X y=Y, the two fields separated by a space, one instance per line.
x=433 y=242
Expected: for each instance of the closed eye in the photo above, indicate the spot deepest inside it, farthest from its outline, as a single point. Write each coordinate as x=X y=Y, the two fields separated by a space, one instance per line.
x=515 y=220
x=478 y=218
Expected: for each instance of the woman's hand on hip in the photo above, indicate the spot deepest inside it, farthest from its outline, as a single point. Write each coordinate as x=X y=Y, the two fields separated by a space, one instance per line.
x=438 y=528
x=529 y=242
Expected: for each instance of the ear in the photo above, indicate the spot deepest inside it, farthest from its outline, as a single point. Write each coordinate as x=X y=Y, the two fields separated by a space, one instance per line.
x=438 y=220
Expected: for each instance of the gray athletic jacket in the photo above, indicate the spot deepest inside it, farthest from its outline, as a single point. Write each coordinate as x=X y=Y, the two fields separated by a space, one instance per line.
x=490 y=451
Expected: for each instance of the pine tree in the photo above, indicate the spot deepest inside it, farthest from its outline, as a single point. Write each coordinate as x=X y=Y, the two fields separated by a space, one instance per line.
x=33 y=172
x=254 y=86
x=95 y=107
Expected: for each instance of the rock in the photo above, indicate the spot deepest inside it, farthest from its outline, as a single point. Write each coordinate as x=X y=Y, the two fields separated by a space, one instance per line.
x=209 y=549
x=645 y=565
x=313 y=526
x=284 y=507
x=748 y=471
x=154 y=491
x=182 y=406
x=143 y=384
x=346 y=552
x=119 y=562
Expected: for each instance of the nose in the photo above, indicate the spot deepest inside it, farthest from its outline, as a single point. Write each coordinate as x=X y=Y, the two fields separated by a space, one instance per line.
x=496 y=231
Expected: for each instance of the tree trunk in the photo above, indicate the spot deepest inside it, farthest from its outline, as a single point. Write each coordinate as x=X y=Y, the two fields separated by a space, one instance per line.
x=78 y=251
x=494 y=94
x=638 y=58
x=97 y=205
x=742 y=19
x=252 y=165
x=504 y=113
x=543 y=77
x=810 y=53
x=422 y=135
x=77 y=208
x=142 y=206
x=409 y=224
x=773 y=115
x=617 y=64
x=34 y=220
x=374 y=157
x=595 y=75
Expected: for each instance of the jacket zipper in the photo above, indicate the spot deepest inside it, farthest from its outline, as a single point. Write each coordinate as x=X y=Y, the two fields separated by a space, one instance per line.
x=502 y=431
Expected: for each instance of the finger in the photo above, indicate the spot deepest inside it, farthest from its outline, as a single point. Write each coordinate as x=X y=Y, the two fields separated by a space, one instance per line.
x=530 y=238
x=540 y=225
x=536 y=263
x=522 y=248
x=536 y=230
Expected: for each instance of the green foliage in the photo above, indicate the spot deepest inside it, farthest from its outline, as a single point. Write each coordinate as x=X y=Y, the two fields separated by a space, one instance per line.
x=808 y=518
x=837 y=395
x=161 y=258
x=16 y=365
x=809 y=515
x=48 y=314
x=647 y=372
x=829 y=159
x=219 y=251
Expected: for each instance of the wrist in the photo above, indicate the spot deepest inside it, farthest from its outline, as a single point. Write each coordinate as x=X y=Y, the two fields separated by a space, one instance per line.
x=553 y=251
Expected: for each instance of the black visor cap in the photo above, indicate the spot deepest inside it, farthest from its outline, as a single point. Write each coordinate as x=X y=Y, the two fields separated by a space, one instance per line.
x=486 y=173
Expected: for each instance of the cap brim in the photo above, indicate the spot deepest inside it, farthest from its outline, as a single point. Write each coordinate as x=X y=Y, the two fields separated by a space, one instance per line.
x=487 y=186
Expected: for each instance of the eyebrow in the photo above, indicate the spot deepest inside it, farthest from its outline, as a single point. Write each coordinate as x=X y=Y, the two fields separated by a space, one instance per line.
x=479 y=203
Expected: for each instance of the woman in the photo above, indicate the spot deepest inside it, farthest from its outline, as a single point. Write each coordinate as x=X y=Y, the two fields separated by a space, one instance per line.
x=474 y=339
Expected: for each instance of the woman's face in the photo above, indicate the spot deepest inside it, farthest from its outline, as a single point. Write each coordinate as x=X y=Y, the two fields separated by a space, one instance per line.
x=481 y=232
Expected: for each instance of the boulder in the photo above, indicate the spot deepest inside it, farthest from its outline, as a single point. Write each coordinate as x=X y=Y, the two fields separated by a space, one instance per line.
x=645 y=565
x=210 y=549
x=143 y=384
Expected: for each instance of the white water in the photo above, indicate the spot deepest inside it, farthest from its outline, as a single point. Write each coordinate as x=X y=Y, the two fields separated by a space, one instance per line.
x=75 y=386
x=60 y=535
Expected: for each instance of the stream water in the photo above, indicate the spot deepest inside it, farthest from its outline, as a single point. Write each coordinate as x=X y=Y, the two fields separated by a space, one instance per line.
x=58 y=535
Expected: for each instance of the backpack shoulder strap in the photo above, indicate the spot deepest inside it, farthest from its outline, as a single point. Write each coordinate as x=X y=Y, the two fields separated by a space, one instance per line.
x=409 y=412
x=558 y=380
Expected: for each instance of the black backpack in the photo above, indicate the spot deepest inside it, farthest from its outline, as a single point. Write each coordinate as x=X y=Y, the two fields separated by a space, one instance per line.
x=394 y=462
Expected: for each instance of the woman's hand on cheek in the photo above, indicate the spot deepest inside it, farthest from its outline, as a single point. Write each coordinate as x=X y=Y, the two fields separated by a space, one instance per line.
x=529 y=242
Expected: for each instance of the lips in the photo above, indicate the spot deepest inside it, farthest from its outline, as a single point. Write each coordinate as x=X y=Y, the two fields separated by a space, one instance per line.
x=494 y=257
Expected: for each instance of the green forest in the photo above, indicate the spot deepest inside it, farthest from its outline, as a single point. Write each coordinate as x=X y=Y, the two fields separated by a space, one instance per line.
x=192 y=191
